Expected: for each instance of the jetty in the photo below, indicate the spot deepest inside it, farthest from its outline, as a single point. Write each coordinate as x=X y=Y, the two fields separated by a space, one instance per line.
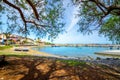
x=111 y=46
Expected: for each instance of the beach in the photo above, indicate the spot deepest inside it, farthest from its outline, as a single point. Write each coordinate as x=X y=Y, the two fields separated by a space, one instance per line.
x=38 y=53
x=35 y=65
x=30 y=51
x=114 y=61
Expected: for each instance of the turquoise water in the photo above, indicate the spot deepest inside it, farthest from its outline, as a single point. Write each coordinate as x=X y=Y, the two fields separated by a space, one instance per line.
x=73 y=51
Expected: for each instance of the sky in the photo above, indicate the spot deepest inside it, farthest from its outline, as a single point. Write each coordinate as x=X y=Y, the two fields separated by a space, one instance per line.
x=74 y=37
x=71 y=36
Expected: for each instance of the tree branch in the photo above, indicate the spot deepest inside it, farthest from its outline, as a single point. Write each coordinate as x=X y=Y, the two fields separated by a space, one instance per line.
x=98 y=4
x=108 y=9
x=19 y=10
x=34 y=9
x=33 y=22
x=113 y=7
x=22 y=15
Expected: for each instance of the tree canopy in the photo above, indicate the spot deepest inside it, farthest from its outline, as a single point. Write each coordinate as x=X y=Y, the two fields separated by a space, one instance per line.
x=43 y=17
x=101 y=15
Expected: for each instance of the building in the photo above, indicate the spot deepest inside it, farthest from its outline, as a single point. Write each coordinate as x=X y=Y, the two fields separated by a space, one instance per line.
x=2 y=38
x=14 y=39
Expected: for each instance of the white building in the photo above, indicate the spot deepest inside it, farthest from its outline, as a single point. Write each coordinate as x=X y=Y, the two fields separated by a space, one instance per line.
x=2 y=38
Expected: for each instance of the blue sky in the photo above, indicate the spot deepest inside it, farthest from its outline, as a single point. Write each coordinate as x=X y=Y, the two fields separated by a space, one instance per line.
x=71 y=35
x=74 y=37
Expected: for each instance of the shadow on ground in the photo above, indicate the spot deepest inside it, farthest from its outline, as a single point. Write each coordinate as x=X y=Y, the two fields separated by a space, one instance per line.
x=49 y=69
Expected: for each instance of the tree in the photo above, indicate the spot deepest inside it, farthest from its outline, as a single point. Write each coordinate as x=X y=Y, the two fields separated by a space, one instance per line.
x=38 y=40
x=111 y=29
x=101 y=15
x=7 y=35
x=43 y=17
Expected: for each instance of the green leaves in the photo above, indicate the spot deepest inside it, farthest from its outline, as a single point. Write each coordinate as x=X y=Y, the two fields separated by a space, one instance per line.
x=93 y=17
x=53 y=18
x=49 y=24
x=111 y=29
x=22 y=4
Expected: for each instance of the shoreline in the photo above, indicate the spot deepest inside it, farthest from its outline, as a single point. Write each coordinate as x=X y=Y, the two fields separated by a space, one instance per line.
x=43 y=54
x=34 y=53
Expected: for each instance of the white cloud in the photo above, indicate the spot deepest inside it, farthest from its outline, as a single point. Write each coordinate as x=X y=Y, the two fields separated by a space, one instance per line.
x=74 y=19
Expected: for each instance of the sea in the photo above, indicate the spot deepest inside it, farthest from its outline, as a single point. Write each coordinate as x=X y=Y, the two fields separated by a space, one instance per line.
x=79 y=52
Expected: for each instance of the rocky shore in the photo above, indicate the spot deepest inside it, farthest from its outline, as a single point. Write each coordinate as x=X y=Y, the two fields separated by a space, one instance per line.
x=111 y=62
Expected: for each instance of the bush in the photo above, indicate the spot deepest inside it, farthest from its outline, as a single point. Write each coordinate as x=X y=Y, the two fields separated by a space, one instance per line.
x=74 y=62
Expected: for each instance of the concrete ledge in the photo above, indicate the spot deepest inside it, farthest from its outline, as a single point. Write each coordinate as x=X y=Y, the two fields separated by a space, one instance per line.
x=109 y=52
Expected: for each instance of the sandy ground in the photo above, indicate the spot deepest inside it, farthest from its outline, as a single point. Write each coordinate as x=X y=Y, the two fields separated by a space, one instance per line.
x=26 y=68
x=12 y=51
x=34 y=52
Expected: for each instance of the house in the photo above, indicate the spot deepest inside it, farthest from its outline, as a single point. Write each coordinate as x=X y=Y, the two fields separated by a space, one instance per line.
x=11 y=39
x=21 y=40
x=27 y=41
x=16 y=39
x=2 y=38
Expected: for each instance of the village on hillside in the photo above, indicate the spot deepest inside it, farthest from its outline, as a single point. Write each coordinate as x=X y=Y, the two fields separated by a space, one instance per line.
x=19 y=40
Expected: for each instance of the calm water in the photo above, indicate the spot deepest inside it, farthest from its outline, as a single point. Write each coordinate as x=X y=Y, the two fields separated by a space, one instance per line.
x=73 y=51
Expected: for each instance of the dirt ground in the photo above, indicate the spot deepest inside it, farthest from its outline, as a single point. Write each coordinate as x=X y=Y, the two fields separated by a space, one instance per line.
x=26 y=68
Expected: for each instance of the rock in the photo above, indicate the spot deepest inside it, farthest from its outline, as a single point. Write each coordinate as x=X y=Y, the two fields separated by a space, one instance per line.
x=98 y=58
